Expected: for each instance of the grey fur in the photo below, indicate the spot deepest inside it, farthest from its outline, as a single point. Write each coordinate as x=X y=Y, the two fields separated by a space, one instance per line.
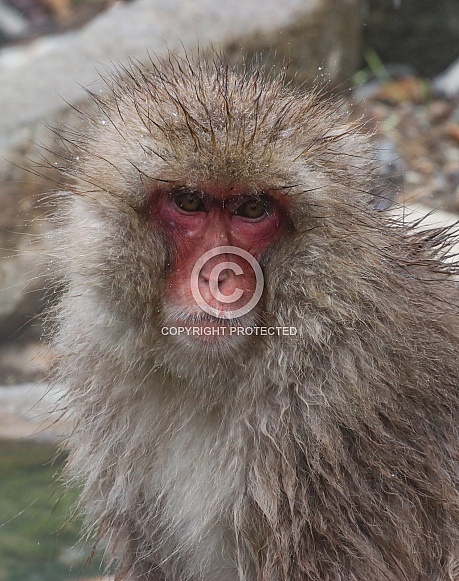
x=328 y=456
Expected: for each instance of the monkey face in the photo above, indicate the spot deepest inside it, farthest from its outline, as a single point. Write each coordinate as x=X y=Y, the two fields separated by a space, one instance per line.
x=216 y=239
x=196 y=207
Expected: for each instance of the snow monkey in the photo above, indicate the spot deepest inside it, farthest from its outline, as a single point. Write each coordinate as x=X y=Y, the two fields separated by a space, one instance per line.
x=262 y=370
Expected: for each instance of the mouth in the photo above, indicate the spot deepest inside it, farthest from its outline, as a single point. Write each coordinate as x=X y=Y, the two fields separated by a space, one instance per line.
x=200 y=319
x=201 y=327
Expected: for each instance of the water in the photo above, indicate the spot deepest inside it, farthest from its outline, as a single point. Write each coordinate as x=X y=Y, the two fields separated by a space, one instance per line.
x=38 y=540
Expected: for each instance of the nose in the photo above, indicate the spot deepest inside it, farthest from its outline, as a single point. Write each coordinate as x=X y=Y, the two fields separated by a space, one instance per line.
x=219 y=279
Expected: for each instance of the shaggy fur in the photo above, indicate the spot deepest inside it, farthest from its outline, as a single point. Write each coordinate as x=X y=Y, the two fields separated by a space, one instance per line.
x=332 y=455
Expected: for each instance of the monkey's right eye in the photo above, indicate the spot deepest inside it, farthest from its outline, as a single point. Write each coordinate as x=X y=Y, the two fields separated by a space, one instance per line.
x=189 y=202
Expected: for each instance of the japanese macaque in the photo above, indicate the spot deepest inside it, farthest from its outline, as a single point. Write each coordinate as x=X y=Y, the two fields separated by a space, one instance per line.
x=262 y=370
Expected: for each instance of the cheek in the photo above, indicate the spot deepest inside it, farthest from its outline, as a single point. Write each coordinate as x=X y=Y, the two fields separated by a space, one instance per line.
x=178 y=280
x=256 y=238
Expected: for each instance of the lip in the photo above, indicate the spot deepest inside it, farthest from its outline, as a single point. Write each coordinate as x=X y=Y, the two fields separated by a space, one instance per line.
x=199 y=318
x=203 y=320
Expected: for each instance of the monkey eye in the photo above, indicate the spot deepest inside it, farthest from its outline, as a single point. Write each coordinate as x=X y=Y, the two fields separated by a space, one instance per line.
x=254 y=209
x=189 y=201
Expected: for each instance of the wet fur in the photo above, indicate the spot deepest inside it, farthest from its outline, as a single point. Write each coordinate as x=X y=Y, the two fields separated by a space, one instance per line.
x=331 y=455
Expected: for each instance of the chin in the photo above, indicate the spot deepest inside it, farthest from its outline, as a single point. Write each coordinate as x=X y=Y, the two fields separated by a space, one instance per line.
x=198 y=336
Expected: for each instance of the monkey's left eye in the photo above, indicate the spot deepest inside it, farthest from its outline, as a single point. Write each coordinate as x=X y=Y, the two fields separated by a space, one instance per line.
x=252 y=209
x=189 y=202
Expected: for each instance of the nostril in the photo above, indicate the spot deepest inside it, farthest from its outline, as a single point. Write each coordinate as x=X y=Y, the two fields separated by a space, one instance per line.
x=223 y=275
x=218 y=271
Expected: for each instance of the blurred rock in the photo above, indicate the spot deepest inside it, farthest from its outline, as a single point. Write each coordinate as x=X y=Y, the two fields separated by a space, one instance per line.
x=23 y=362
x=421 y=33
x=12 y=23
x=447 y=83
x=36 y=79
x=30 y=411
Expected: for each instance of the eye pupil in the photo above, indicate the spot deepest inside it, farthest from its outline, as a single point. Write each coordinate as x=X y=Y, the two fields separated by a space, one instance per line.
x=252 y=209
x=189 y=202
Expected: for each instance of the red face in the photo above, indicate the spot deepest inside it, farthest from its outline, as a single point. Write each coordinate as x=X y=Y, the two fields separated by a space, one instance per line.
x=196 y=223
